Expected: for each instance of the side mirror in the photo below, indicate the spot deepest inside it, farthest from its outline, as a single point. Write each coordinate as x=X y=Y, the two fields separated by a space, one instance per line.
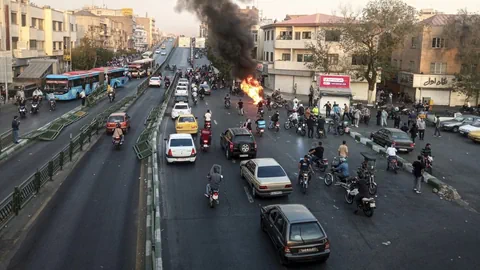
x=165 y=139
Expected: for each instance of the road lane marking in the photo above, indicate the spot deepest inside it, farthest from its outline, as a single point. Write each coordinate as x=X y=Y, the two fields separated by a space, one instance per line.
x=206 y=103
x=215 y=121
x=249 y=196
x=288 y=155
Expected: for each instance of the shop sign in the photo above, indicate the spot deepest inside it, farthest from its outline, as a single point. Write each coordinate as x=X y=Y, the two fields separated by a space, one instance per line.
x=435 y=81
x=334 y=81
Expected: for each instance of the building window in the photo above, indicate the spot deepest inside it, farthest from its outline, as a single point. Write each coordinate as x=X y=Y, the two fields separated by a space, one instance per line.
x=297 y=35
x=60 y=26
x=265 y=56
x=332 y=59
x=14 y=18
x=304 y=58
x=395 y=63
x=332 y=35
x=33 y=44
x=54 y=26
x=14 y=43
x=414 y=42
x=71 y=27
x=24 y=20
x=411 y=66
x=285 y=35
x=268 y=35
x=359 y=60
x=54 y=45
x=34 y=23
x=39 y=45
x=271 y=56
x=439 y=43
x=285 y=57
x=40 y=24
x=306 y=35
x=438 y=68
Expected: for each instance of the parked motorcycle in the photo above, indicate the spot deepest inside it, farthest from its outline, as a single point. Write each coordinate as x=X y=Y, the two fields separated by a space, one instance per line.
x=22 y=111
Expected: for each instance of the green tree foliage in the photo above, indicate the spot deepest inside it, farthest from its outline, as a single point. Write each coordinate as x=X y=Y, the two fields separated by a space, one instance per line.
x=219 y=63
x=464 y=31
x=87 y=56
x=375 y=32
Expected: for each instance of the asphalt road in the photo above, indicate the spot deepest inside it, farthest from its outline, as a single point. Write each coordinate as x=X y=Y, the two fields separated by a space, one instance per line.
x=91 y=223
x=455 y=159
x=424 y=232
x=25 y=162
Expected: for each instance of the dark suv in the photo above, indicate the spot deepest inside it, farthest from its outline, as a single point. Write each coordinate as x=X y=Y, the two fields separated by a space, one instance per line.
x=238 y=142
x=295 y=233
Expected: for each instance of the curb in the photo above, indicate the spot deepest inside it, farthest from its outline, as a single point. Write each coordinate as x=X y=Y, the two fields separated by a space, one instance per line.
x=149 y=221
x=439 y=187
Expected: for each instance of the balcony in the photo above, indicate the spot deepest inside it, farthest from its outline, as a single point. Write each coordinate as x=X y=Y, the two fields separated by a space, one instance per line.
x=291 y=44
x=290 y=65
x=23 y=53
x=37 y=34
x=57 y=52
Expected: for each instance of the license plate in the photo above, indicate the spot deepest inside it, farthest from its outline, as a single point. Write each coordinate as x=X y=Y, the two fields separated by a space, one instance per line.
x=403 y=149
x=372 y=205
x=215 y=196
x=243 y=155
x=181 y=159
x=307 y=250
x=276 y=193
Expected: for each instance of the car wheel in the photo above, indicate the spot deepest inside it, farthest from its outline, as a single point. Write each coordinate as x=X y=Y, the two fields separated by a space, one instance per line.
x=227 y=154
x=283 y=259
x=254 y=192
x=455 y=129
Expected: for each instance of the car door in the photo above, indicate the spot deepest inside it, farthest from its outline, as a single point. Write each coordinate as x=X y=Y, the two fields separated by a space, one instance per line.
x=251 y=169
x=467 y=121
x=377 y=137
x=279 y=229
x=272 y=217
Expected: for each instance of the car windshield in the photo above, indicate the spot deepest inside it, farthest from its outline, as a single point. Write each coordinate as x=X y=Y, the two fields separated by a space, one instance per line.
x=154 y=78
x=181 y=107
x=188 y=119
x=400 y=136
x=270 y=171
x=206 y=87
x=181 y=98
x=476 y=124
x=459 y=118
x=115 y=119
x=180 y=142
x=300 y=232
x=243 y=139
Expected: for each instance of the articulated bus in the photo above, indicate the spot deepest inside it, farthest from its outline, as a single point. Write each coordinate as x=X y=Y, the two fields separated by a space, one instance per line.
x=67 y=86
x=141 y=68
x=117 y=76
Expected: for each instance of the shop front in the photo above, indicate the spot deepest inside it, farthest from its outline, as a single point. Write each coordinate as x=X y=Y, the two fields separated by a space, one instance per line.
x=333 y=89
x=433 y=88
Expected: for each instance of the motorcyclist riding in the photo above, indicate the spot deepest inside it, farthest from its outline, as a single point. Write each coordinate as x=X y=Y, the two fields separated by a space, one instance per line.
x=301 y=110
x=38 y=93
x=341 y=170
x=293 y=117
x=362 y=186
x=391 y=154
x=274 y=119
x=304 y=166
x=260 y=122
x=35 y=100
x=248 y=125
x=427 y=151
x=111 y=90
x=205 y=135
x=260 y=106
x=118 y=132
x=317 y=152
x=295 y=103
x=207 y=117
x=214 y=180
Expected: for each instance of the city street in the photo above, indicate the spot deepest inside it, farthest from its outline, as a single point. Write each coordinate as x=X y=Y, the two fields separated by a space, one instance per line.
x=26 y=161
x=407 y=231
x=454 y=158
x=92 y=221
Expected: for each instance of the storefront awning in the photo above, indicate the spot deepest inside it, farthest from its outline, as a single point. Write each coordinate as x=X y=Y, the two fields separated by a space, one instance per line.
x=335 y=91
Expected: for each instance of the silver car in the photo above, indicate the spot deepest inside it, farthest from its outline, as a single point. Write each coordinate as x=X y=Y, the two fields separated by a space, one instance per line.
x=265 y=177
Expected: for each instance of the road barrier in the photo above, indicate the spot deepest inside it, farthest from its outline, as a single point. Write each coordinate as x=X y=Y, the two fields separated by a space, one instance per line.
x=54 y=129
x=6 y=139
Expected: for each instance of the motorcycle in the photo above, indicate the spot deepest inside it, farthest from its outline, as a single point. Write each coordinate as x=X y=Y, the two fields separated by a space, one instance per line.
x=214 y=86
x=117 y=142
x=290 y=123
x=283 y=104
x=213 y=198
x=34 y=108
x=302 y=129
x=322 y=164
x=53 y=104
x=304 y=181
x=320 y=134
x=227 y=104
x=22 y=111
x=261 y=113
x=428 y=161
x=204 y=145
x=393 y=165
x=260 y=131
x=110 y=97
x=367 y=205
x=208 y=124
x=202 y=96
x=343 y=128
x=167 y=84
x=275 y=126
x=195 y=100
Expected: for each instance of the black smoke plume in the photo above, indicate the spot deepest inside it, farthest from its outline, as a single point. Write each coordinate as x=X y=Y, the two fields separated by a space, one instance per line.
x=228 y=32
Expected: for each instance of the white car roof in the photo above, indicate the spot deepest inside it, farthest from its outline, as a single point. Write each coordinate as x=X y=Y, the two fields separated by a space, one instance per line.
x=155 y=78
x=181 y=103
x=180 y=136
x=182 y=87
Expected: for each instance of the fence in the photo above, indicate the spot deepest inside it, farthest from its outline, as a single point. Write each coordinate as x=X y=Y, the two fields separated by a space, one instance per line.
x=6 y=139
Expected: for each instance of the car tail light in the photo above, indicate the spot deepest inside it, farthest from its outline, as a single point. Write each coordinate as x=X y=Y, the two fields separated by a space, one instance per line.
x=286 y=249
x=205 y=141
x=262 y=187
x=412 y=145
x=193 y=152
x=288 y=186
x=231 y=146
x=169 y=153
x=327 y=245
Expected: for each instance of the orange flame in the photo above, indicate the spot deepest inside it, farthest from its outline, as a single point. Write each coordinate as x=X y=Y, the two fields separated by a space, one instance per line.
x=252 y=88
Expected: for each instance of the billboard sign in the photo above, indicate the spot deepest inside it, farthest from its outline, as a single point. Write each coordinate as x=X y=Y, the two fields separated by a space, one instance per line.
x=334 y=81
x=127 y=11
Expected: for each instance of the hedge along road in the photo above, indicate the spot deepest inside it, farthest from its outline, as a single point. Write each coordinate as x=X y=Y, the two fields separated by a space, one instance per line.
x=91 y=222
x=26 y=161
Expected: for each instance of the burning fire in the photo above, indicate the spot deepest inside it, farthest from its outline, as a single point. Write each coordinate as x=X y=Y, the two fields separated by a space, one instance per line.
x=252 y=88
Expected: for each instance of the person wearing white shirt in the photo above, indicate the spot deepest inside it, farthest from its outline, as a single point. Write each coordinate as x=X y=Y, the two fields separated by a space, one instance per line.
x=295 y=103
x=391 y=154
x=208 y=116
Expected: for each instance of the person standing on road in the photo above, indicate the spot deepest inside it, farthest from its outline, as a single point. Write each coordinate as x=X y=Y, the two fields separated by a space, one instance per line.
x=240 y=107
x=83 y=97
x=413 y=132
x=421 y=128
x=437 y=127
x=310 y=125
x=396 y=120
x=356 y=117
x=346 y=112
x=379 y=117
x=343 y=150
x=418 y=170
x=310 y=98
x=366 y=116
x=384 y=116
x=15 y=127
x=328 y=108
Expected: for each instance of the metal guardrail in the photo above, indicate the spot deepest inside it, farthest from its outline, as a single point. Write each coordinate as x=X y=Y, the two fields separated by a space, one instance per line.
x=6 y=139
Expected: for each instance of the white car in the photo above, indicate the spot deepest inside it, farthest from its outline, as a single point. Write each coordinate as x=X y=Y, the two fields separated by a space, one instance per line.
x=155 y=81
x=464 y=130
x=182 y=83
x=180 y=148
x=157 y=51
x=163 y=53
x=180 y=108
x=182 y=80
x=181 y=91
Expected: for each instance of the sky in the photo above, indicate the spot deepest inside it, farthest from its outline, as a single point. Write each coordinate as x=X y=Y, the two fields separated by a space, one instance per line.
x=167 y=20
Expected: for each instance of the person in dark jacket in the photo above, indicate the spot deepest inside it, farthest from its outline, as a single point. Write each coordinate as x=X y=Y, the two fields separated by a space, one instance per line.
x=404 y=128
x=362 y=192
x=214 y=179
x=379 y=117
x=396 y=121
x=15 y=127
x=413 y=132
x=310 y=125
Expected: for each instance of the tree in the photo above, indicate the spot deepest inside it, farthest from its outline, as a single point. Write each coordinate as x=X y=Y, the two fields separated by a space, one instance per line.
x=88 y=56
x=464 y=30
x=375 y=32
x=219 y=63
x=325 y=56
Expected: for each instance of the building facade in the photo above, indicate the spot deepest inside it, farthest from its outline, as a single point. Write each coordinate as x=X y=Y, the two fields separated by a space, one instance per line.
x=148 y=25
x=285 y=55
x=140 y=38
x=427 y=64
x=31 y=32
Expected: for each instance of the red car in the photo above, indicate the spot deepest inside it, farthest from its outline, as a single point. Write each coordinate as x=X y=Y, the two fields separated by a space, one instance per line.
x=119 y=117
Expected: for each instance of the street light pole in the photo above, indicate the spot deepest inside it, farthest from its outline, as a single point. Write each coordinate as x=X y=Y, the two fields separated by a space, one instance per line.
x=6 y=81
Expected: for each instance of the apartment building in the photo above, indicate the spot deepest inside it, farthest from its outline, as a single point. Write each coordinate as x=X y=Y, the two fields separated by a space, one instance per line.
x=148 y=25
x=103 y=31
x=285 y=57
x=427 y=64
x=140 y=38
x=31 y=32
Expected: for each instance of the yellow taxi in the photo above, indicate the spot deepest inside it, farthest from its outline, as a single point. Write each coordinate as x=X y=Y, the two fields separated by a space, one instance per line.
x=186 y=123
x=474 y=135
